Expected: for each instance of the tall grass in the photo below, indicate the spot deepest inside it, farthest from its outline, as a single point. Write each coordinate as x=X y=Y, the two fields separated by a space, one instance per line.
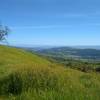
x=24 y=76
x=50 y=84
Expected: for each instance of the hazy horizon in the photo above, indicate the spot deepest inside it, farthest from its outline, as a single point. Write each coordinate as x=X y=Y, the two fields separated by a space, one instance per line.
x=55 y=46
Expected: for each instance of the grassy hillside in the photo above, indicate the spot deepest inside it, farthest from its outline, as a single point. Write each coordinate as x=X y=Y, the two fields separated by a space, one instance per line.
x=82 y=59
x=25 y=76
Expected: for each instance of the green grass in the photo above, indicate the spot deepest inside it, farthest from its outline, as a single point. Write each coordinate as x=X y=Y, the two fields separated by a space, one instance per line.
x=26 y=76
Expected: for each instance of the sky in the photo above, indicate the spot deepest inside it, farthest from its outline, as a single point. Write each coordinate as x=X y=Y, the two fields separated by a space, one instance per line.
x=52 y=22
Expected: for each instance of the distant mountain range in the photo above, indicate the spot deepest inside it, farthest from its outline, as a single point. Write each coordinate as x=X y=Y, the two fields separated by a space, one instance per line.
x=36 y=47
x=73 y=52
x=87 y=47
x=69 y=52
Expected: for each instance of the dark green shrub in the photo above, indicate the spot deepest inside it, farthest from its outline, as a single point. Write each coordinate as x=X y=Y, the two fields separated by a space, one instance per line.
x=11 y=85
x=15 y=84
x=97 y=69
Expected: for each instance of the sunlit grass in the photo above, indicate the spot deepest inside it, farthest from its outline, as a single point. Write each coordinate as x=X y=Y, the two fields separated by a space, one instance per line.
x=25 y=76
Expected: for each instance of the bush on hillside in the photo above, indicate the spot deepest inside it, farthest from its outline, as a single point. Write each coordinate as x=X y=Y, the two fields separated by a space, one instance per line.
x=24 y=80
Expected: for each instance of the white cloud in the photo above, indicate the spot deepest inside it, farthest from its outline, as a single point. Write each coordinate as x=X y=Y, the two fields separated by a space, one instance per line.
x=53 y=26
x=40 y=27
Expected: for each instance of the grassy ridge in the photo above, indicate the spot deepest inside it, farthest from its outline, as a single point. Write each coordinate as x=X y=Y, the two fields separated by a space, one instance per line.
x=25 y=76
x=12 y=58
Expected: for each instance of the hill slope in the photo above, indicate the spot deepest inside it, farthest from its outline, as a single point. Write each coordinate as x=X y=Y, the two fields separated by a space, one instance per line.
x=12 y=58
x=25 y=76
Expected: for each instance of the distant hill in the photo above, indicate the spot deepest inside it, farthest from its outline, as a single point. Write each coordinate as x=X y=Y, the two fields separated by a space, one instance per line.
x=74 y=53
x=87 y=47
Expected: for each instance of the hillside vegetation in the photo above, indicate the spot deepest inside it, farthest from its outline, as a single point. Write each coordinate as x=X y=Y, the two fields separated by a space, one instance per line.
x=81 y=59
x=26 y=76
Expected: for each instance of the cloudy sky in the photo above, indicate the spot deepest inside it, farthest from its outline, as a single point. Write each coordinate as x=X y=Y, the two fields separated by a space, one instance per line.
x=52 y=22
